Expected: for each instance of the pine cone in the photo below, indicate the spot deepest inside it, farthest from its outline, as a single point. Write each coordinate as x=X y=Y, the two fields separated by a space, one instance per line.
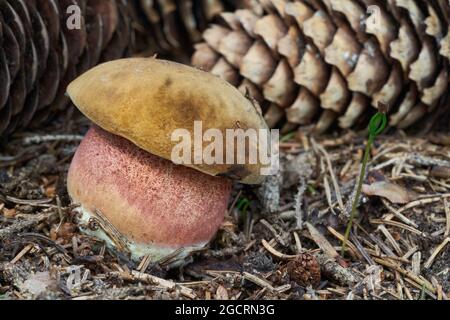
x=39 y=55
x=328 y=61
x=172 y=26
x=304 y=270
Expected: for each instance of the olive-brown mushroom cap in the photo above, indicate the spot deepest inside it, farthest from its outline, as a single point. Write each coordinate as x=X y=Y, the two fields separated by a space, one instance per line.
x=145 y=100
x=148 y=200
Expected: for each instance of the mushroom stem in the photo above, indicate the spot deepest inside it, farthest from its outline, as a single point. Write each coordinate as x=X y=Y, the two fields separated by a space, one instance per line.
x=140 y=203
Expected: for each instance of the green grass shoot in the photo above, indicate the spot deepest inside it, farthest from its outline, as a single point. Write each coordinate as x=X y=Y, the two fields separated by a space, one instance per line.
x=376 y=127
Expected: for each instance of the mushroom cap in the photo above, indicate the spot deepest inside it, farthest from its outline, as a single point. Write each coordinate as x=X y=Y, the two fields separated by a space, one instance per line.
x=145 y=100
x=140 y=202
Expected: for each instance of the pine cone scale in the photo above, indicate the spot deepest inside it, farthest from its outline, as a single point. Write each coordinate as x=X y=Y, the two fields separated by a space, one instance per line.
x=41 y=53
x=346 y=60
x=307 y=62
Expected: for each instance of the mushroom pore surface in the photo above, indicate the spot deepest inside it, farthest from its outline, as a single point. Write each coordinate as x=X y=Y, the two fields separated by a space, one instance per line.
x=153 y=204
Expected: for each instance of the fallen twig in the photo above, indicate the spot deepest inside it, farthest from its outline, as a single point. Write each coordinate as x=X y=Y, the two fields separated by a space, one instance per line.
x=447 y=218
x=322 y=242
x=331 y=171
x=436 y=252
x=52 y=138
x=406 y=273
x=256 y=280
x=329 y=267
x=150 y=279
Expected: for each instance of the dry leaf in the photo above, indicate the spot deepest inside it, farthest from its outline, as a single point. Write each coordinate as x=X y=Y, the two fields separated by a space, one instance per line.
x=50 y=191
x=221 y=293
x=393 y=192
x=440 y=172
x=65 y=231
x=9 y=213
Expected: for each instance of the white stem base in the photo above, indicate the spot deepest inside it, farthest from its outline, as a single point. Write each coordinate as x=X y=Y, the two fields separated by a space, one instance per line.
x=117 y=241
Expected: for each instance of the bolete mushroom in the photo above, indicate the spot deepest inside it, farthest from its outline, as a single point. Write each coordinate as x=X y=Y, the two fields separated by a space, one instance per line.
x=128 y=191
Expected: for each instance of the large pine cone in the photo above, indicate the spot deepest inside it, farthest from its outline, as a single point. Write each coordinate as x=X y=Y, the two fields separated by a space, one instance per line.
x=328 y=61
x=171 y=27
x=39 y=55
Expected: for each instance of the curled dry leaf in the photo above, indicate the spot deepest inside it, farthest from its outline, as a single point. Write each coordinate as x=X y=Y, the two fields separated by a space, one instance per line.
x=393 y=192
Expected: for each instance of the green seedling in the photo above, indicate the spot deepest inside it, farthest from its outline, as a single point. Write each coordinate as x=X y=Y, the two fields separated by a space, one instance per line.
x=376 y=127
x=423 y=293
x=242 y=207
x=311 y=189
x=287 y=137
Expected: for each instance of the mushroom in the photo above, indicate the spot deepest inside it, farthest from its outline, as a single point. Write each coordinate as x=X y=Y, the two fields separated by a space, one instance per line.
x=127 y=189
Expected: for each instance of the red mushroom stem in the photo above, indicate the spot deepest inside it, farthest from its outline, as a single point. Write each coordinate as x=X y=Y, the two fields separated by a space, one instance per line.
x=141 y=203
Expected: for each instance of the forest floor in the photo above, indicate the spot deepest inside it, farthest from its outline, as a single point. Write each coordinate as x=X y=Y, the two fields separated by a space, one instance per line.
x=279 y=241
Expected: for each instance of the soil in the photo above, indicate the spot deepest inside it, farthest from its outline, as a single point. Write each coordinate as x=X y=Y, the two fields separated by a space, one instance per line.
x=281 y=240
